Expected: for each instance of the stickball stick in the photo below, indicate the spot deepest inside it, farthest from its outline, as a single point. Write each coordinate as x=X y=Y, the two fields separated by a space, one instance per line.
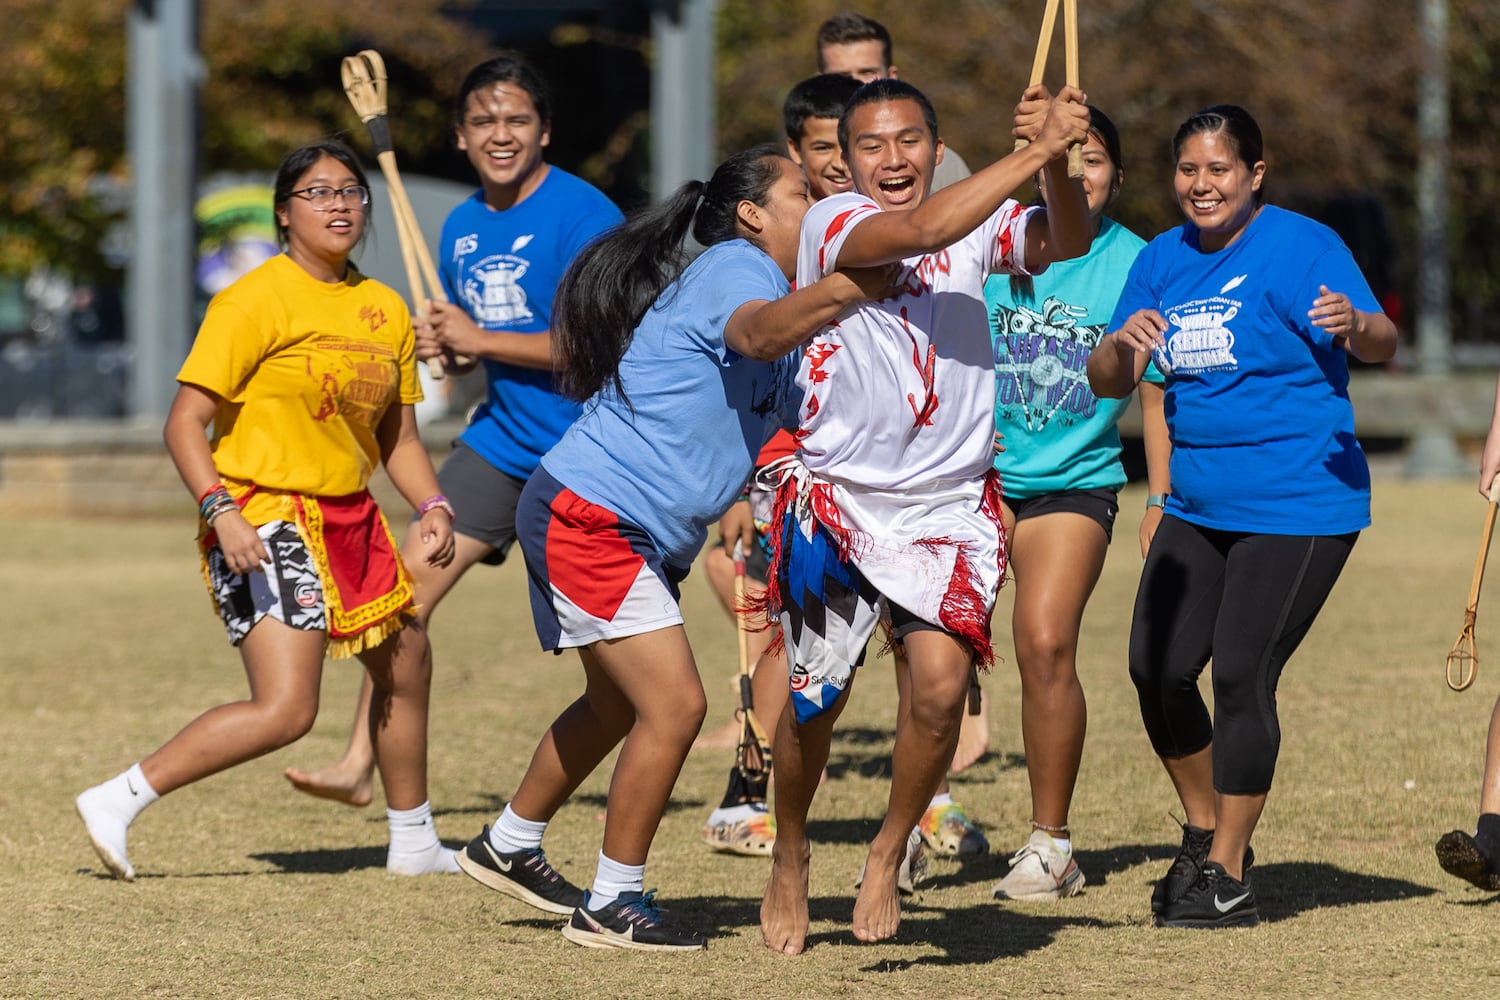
x=1463 y=658
x=753 y=738
x=365 y=79
x=1070 y=58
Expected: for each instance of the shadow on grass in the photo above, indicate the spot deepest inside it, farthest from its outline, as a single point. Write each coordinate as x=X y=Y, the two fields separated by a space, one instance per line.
x=866 y=751
x=968 y=935
x=1284 y=890
x=324 y=861
x=1098 y=866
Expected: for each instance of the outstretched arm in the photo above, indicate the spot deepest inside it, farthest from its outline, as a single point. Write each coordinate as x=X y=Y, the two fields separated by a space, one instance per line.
x=767 y=329
x=957 y=210
x=1063 y=230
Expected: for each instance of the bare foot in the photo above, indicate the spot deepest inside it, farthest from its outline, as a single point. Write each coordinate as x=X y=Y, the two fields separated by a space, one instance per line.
x=783 y=909
x=726 y=737
x=973 y=736
x=338 y=782
x=877 y=908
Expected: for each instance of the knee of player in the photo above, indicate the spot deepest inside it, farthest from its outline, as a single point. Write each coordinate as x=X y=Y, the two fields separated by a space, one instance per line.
x=1046 y=657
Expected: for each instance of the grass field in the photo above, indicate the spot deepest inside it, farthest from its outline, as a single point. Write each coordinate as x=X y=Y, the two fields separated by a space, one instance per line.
x=247 y=889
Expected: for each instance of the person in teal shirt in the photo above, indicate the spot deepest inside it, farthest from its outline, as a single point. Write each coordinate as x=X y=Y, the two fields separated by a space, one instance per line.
x=1060 y=473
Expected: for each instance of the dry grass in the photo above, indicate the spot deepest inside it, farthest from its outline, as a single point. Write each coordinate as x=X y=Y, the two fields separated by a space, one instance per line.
x=250 y=890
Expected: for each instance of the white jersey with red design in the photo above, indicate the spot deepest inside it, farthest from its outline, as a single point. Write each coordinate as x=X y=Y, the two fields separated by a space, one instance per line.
x=896 y=437
x=901 y=393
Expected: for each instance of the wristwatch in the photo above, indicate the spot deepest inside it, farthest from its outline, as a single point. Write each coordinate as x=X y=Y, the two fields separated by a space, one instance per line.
x=1157 y=500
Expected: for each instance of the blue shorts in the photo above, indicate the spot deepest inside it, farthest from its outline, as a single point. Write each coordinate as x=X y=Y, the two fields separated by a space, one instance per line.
x=593 y=575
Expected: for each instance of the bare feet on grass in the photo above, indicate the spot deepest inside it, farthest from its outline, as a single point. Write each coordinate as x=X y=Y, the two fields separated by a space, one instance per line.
x=973 y=736
x=877 y=908
x=783 y=910
x=339 y=782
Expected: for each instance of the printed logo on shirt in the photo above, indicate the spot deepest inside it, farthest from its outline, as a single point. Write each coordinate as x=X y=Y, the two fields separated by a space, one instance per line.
x=1041 y=357
x=1200 y=340
x=492 y=292
x=465 y=245
x=374 y=316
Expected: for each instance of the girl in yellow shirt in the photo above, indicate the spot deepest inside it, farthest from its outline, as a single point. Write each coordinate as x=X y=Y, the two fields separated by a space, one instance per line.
x=306 y=370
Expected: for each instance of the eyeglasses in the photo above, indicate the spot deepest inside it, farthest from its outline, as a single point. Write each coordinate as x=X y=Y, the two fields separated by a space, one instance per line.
x=321 y=196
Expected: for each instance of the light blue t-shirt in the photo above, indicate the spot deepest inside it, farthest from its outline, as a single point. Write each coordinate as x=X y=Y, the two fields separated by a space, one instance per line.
x=503 y=267
x=1257 y=398
x=673 y=455
x=1058 y=435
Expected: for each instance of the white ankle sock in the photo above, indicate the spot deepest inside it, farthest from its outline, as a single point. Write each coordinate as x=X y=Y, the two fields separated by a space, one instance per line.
x=1064 y=844
x=938 y=801
x=108 y=810
x=612 y=879
x=510 y=833
x=415 y=848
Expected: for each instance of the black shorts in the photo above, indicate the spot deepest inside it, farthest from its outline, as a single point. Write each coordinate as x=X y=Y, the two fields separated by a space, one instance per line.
x=903 y=623
x=1099 y=505
x=484 y=500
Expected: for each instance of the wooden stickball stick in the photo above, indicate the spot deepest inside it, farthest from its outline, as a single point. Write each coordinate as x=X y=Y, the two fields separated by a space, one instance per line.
x=364 y=80
x=1070 y=55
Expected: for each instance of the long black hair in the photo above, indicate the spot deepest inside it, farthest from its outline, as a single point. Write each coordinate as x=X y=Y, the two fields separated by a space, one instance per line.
x=614 y=280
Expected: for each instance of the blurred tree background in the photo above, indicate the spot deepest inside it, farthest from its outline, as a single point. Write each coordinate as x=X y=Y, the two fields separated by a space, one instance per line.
x=1333 y=85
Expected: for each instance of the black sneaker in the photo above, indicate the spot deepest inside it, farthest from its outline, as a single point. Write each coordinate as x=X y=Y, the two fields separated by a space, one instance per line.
x=632 y=921
x=1215 y=900
x=525 y=875
x=1461 y=856
x=1188 y=865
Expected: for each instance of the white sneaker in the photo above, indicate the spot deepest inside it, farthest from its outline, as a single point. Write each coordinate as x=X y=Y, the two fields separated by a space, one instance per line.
x=1040 y=871
x=913 y=868
x=435 y=860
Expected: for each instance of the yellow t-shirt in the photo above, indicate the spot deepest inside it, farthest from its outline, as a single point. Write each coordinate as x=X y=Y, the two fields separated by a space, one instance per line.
x=305 y=369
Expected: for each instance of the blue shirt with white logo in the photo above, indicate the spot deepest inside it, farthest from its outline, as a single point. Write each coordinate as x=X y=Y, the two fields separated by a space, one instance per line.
x=1257 y=398
x=503 y=267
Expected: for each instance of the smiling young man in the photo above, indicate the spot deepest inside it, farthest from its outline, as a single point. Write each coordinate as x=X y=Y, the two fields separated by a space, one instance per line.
x=891 y=493
x=859 y=46
x=502 y=253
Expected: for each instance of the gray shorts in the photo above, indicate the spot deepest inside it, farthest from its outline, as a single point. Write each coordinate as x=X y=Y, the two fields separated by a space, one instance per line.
x=484 y=500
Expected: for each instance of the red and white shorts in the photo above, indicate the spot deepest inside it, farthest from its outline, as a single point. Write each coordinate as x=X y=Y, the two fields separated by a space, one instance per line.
x=593 y=575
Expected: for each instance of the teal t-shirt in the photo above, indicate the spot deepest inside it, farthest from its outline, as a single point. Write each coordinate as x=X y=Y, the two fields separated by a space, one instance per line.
x=1058 y=434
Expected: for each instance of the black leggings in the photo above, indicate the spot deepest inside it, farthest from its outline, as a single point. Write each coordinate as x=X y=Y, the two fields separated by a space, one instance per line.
x=1245 y=600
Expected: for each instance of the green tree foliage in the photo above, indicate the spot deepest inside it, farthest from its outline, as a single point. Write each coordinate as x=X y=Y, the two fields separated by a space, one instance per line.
x=271 y=83
x=62 y=124
x=1333 y=85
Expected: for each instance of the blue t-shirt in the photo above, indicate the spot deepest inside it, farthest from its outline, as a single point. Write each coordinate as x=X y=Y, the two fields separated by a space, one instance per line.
x=503 y=268
x=1058 y=434
x=674 y=457
x=1257 y=398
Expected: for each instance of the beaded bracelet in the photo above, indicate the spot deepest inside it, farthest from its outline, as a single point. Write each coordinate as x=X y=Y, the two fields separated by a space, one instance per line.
x=215 y=502
x=437 y=502
x=206 y=493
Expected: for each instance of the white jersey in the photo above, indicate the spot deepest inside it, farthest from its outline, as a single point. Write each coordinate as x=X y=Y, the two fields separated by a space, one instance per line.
x=899 y=394
x=897 y=435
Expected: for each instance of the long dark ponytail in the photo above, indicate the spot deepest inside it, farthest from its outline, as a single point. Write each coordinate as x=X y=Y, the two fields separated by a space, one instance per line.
x=614 y=280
